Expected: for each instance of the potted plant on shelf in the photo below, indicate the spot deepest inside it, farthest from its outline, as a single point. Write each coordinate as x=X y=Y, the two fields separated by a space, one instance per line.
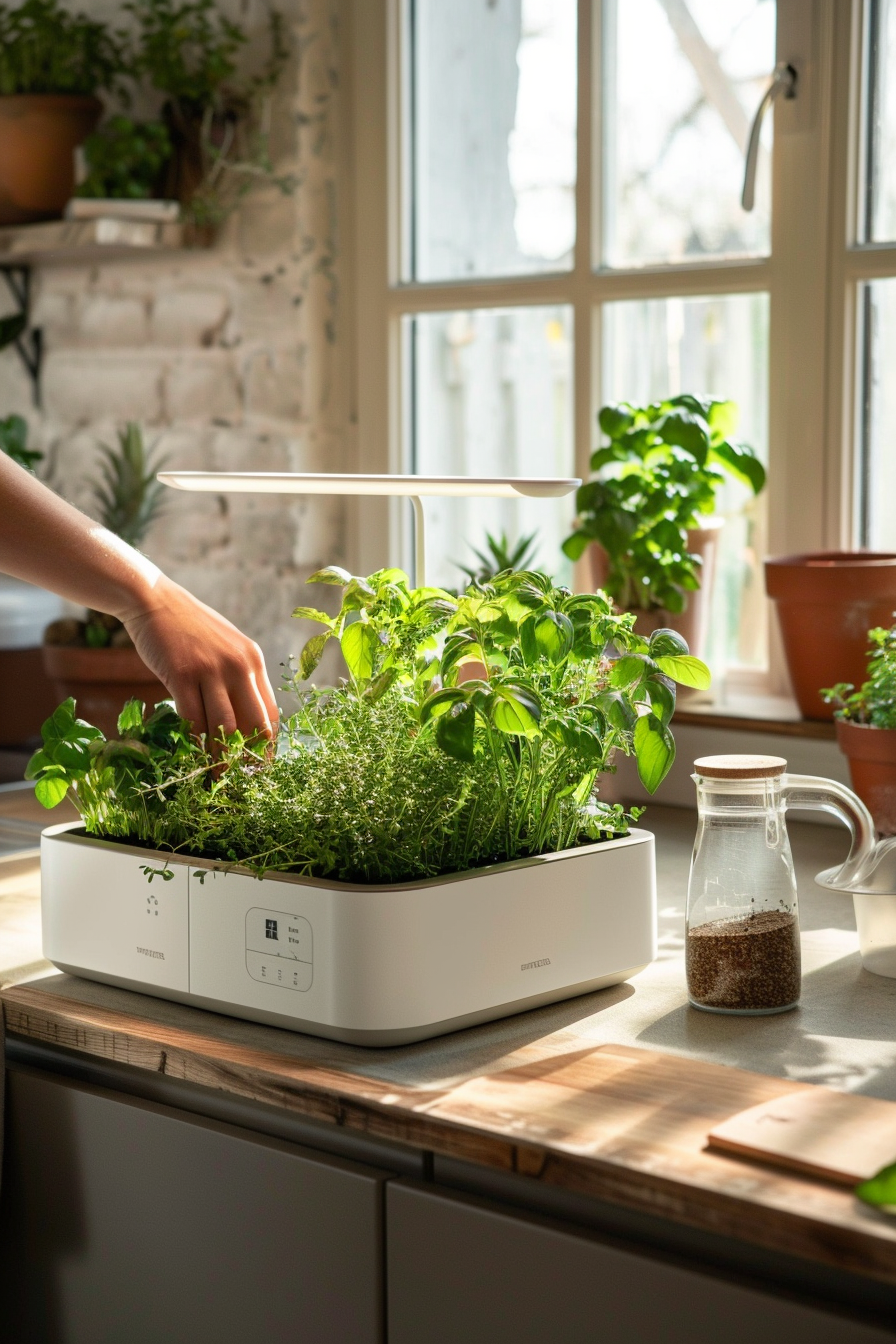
x=437 y=850
x=646 y=522
x=499 y=555
x=94 y=659
x=52 y=66
x=866 y=729
x=216 y=117
x=125 y=161
x=826 y=602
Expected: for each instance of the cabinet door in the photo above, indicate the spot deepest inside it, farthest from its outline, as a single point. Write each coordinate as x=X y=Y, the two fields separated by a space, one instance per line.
x=461 y=1271
x=123 y=1222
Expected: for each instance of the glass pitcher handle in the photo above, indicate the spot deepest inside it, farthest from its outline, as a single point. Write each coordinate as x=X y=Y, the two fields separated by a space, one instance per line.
x=816 y=794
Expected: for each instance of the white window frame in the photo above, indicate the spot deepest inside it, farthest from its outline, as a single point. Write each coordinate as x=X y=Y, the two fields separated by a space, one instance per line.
x=812 y=276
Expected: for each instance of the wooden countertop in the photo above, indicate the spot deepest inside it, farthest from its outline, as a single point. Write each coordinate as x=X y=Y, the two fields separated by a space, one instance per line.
x=567 y=1096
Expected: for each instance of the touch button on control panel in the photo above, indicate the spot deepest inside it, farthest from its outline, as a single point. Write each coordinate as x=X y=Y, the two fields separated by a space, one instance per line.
x=279 y=948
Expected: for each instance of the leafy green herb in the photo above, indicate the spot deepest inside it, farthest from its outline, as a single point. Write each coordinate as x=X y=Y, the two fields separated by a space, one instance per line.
x=875 y=702
x=657 y=476
x=412 y=766
x=125 y=159
x=46 y=49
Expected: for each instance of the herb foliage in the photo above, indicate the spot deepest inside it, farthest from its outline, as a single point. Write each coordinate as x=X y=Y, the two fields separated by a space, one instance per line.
x=405 y=770
x=46 y=49
x=657 y=476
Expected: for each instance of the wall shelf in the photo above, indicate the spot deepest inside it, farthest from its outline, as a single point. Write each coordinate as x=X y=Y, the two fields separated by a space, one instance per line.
x=72 y=242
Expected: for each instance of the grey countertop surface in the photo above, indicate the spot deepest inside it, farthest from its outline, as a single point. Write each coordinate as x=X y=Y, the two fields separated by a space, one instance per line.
x=843 y=1033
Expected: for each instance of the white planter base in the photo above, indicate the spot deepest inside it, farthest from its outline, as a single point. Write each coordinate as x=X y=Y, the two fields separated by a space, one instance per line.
x=369 y=965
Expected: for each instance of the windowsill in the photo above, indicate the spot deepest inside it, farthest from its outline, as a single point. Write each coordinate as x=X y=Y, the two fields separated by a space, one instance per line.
x=755 y=714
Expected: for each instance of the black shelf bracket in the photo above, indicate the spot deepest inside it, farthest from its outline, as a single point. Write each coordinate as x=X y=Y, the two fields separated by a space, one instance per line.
x=30 y=344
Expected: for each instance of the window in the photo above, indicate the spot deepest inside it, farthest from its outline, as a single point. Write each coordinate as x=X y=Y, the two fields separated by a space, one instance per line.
x=549 y=218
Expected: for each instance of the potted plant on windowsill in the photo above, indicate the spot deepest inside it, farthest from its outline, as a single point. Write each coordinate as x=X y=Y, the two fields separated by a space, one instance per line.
x=94 y=659
x=866 y=729
x=437 y=848
x=826 y=602
x=52 y=66
x=646 y=522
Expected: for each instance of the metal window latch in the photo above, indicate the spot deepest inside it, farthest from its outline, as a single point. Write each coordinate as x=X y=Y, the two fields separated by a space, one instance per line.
x=784 y=79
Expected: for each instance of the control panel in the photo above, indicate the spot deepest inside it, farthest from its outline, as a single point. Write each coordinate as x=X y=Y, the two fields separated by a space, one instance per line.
x=279 y=948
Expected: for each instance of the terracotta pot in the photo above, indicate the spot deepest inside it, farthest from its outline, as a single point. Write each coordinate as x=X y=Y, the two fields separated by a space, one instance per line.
x=692 y=623
x=27 y=696
x=39 y=134
x=872 y=768
x=101 y=680
x=827 y=602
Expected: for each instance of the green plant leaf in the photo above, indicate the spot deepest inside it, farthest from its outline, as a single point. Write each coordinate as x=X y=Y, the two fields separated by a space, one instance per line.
x=312 y=654
x=360 y=646
x=687 y=431
x=380 y=685
x=440 y=702
x=50 y=791
x=312 y=614
x=130 y=720
x=662 y=698
x=665 y=643
x=742 y=462
x=722 y=418
x=515 y=710
x=554 y=635
x=686 y=670
x=358 y=595
x=880 y=1190
x=331 y=574
x=615 y=420
x=576 y=544
x=456 y=733
x=630 y=670
x=654 y=751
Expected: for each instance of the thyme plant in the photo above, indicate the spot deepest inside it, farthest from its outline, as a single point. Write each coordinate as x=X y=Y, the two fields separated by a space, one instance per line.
x=410 y=767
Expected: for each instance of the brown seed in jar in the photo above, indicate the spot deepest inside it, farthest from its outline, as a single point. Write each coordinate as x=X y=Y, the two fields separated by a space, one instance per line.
x=747 y=963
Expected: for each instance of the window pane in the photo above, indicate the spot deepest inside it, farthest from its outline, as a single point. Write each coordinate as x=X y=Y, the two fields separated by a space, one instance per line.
x=493 y=137
x=492 y=396
x=656 y=348
x=878 y=485
x=880 y=96
x=682 y=81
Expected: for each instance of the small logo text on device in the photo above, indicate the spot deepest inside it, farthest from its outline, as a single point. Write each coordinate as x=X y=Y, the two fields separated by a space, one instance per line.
x=148 y=952
x=531 y=965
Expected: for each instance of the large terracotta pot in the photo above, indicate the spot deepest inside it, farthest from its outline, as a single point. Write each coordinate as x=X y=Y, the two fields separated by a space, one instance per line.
x=692 y=623
x=101 y=680
x=872 y=768
x=827 y=602
x=39 y=133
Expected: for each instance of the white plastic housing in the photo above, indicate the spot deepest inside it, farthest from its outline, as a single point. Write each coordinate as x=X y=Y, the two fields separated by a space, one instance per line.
x=373 y=965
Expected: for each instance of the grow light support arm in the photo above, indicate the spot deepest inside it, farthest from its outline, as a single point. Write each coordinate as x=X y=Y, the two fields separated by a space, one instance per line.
x=419 y=541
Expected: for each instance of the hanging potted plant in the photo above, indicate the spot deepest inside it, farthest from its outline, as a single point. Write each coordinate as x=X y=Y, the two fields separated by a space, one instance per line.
x=52 y=66
x=94 y=659
x=866 y=729
x=431 y=851
x=646 y=523
x=842 y=593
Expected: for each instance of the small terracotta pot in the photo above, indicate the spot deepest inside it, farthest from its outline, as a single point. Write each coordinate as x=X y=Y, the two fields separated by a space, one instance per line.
x=872 y=768
x=39 y=133
x=692 y=623
x=827 y=602
x=101 y=680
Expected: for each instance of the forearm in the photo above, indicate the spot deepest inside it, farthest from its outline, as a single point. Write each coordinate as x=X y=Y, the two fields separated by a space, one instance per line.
x=49 y=543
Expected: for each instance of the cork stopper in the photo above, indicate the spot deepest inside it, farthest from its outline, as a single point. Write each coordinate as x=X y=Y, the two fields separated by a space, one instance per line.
x=740 y=767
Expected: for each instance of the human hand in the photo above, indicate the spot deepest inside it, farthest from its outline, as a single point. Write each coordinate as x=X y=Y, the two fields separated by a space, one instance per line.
x=214 y=672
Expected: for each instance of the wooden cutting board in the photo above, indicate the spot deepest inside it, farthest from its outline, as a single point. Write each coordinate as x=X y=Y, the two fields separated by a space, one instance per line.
x=837 y=1136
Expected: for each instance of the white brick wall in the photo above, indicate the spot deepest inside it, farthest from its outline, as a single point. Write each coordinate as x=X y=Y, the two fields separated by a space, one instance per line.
x=233 y=359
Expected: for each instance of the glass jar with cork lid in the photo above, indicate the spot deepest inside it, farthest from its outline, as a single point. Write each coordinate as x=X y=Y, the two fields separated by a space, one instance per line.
x=743 y=937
